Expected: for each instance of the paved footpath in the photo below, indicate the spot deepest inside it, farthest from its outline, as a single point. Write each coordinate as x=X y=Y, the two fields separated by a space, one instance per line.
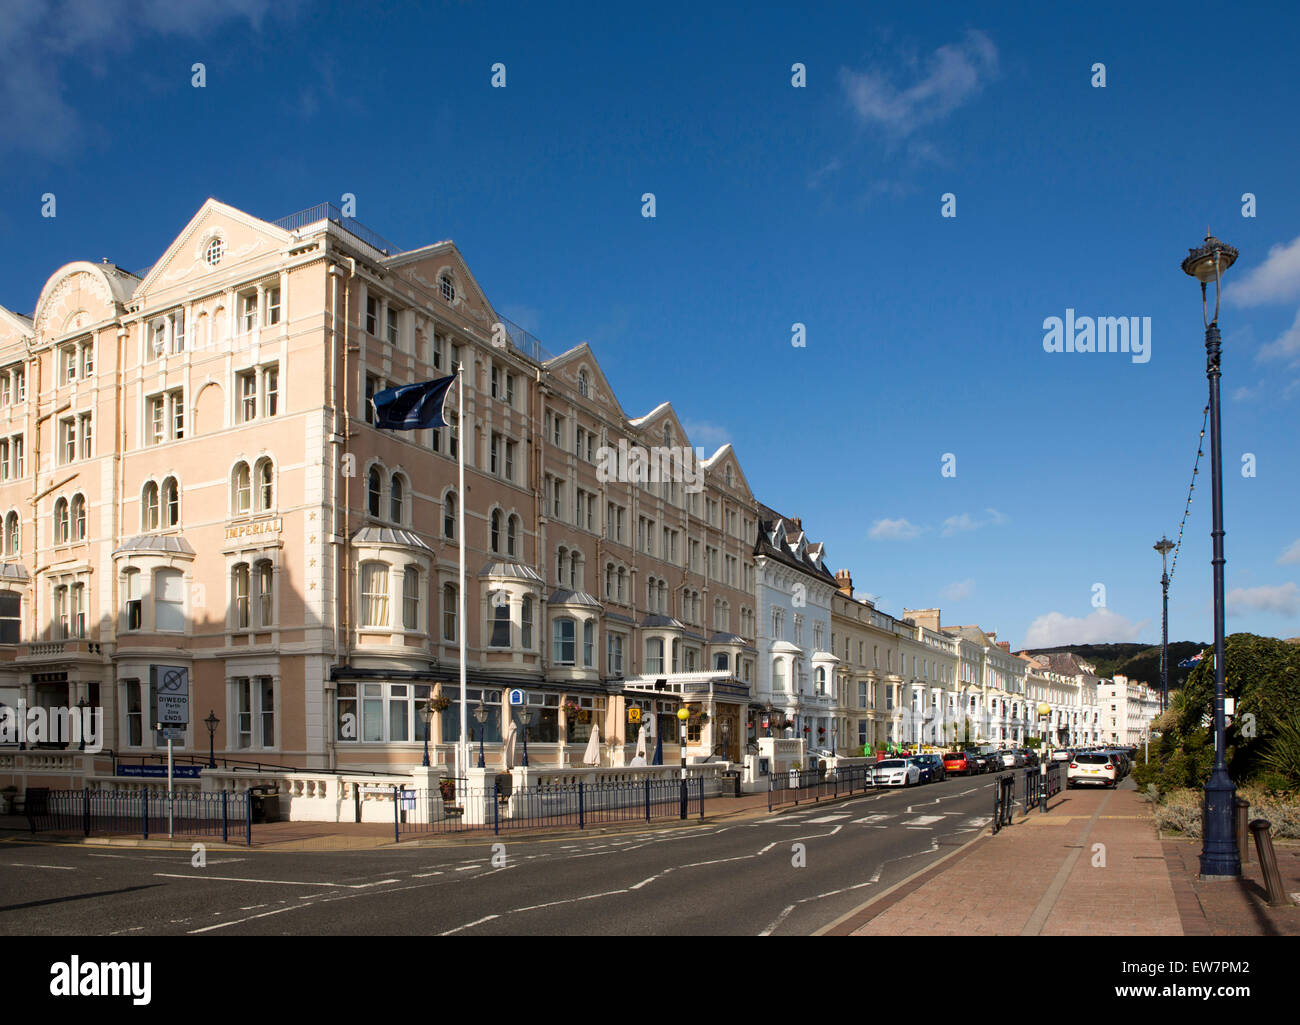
x=1093 y=864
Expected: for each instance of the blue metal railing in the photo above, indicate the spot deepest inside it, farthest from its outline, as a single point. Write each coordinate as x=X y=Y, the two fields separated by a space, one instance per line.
x=814 y=784
x=108 y=810
x=560 y=805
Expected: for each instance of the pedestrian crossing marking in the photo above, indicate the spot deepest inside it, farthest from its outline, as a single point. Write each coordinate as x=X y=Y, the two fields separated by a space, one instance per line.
x=827 y=818
x=925 y=821
x=872 y=818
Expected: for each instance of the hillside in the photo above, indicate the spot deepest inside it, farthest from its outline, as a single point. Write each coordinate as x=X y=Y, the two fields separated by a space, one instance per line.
x=1139 y=662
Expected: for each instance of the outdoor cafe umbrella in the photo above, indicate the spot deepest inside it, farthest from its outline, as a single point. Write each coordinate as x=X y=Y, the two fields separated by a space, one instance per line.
x=508 y=749
x=640 y=748
x=592 y=755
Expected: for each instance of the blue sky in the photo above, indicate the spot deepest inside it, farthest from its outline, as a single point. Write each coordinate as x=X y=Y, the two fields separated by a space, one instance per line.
x=775 y=205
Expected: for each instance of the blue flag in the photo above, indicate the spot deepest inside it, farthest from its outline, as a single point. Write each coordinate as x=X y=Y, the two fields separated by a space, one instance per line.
x=412 y=407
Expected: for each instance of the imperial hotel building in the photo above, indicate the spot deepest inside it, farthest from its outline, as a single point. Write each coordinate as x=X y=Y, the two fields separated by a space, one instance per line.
x=189 y=476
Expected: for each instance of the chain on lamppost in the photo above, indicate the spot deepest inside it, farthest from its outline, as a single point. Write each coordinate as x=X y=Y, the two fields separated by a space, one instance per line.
x=1164 y=546
x=211 y=722
x=481 y=717
x=1219 y=855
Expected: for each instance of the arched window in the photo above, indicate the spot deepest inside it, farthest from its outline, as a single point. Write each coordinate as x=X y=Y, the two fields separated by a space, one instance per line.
x=663 y=598
x=512 y=536
x=778 y=674
x=264 y=578
x=727 y=474
x=241 y=489
x=265 y=485
x=61 y=522
x=526 y=624
x=449 y=515
x=576 y=576
x=12 y=540
x=584 y=388
x=589 y=643
x=494 y=539
x=820 y=677
x=374 y=594
x=171 y=503
x=397 y=499
x=239 y=581
x=722 y=661
x=78 y=517
x=450 y=609
x=561 y=562
x=448 y=288
x=374 y=484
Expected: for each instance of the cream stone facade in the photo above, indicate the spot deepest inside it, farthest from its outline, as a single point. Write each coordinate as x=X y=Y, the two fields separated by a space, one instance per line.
x=190 y=476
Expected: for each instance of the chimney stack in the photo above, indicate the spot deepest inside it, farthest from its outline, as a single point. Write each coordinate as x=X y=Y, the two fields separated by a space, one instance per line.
x=845 y=581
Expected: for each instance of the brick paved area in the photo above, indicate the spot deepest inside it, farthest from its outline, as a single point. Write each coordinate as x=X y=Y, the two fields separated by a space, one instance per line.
x=1043 y=875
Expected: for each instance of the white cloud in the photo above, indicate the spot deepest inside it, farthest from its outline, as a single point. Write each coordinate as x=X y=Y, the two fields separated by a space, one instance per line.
x=1101 y=626
x=952 y=75
x=707 y=436
x=1277 y=279
x=1292 y=554
x=959 y=591
x=1285 y=346
x=965 y=521
x=1283 y=599
x=894 y=530
x=36 y=39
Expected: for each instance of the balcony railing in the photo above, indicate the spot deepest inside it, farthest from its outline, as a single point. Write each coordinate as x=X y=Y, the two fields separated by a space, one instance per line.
x=329 y=212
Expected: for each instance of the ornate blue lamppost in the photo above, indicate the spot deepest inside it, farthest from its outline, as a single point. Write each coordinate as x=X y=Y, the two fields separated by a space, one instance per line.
x=1164 y=546
x=1219 y=855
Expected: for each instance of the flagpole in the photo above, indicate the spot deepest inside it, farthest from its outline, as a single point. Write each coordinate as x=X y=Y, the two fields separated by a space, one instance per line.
x=462 y=752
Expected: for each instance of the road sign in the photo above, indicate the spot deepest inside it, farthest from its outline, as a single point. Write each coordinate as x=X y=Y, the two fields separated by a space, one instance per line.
x=170 y=733
x=172 y=687
x=516 y=697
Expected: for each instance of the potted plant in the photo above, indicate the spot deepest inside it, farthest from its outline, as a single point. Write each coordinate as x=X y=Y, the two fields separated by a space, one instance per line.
x=572 y=709
x=447 y=787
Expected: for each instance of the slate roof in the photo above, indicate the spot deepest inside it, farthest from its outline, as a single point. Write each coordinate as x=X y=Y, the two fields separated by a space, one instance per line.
x=768 y=519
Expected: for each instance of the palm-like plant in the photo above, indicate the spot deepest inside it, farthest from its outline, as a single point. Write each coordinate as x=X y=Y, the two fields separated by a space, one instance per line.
x=1283 y=752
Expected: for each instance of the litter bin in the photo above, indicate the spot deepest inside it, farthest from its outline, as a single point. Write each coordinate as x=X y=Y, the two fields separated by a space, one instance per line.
x=731 y=781
x=266 y=804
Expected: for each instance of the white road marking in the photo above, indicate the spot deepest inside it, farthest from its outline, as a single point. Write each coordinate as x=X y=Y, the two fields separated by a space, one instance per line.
x=237 y=921
x=925 y=821
x=26 y=864
x=827 y=818
x=468 y=925
x=276 y=882
x=878 y=817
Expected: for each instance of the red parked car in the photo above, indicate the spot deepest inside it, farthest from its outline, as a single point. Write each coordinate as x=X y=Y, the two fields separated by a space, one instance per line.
x=962 y=763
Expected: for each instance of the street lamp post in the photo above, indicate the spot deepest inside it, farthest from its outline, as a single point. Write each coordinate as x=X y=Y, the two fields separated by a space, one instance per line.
x=527 y=716
x=426 y=713
x=211 y=723
x=481 y=716
x=81 y=722
x=683 y=714
x=1219 y=855
x=1164 y=546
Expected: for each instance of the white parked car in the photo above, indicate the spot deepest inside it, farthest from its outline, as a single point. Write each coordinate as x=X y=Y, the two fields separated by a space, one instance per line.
x=1012 y=759
x=1093 y=768
x=895 y=772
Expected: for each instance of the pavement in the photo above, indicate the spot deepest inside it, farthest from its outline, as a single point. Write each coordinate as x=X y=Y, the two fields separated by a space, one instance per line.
x=1093 y=864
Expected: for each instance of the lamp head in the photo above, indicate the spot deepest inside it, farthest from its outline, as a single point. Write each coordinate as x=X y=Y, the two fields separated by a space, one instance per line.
x=683 y=713
x=1209 y=260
